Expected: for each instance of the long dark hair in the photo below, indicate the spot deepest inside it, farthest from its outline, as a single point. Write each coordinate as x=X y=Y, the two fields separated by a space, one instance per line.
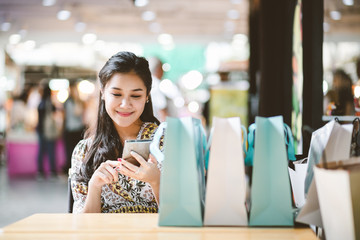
x=106 y=142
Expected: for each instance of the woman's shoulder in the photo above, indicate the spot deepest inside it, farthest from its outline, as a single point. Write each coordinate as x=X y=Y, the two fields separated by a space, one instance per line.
x=81 y=148
x=147 y=130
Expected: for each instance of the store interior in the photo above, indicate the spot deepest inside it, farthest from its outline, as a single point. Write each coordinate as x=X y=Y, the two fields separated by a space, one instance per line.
x=205 y=47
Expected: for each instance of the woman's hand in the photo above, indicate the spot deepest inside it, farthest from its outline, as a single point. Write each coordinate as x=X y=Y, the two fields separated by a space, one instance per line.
x=146 y=172
x=105 y=174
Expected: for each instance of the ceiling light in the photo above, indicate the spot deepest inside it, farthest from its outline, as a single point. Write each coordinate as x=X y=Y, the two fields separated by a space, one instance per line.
x=5 y=26
x=89 y=38
x=240 y=38
x=192 y=79
x=57 y=84
x=141 y=3
x=63 y=15
x=193 y=107
x=348 y=2
x=166 y=67
x=23 y=32
x=62 y=95
x=30 y=44
x=148 y=15
x=335 y=15
x=165 y=39
x=233 y=14
x=179 y=102
x=47 y=3
x=155 y=27
x=14 y=39
x=80 y=26
x=86 y=87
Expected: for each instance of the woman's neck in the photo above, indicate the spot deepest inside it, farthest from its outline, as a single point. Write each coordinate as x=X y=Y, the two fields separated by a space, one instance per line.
x=130 y=132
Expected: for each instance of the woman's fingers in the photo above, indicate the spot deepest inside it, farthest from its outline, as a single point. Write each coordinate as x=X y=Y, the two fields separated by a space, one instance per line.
x=128 y=166
x=108 y=169
x=127 y=172
x=138 y=158
x=106 y=178
x=111 y=169
x=152 y=159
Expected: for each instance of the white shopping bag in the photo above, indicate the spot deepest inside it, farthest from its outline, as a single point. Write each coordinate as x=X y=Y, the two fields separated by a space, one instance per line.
x=226 y=183
x=333 y=141
x=297 y=179
x=310 y=213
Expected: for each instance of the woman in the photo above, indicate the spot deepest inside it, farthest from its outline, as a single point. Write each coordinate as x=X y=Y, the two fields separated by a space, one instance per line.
x=99 y=182
x=340 y=99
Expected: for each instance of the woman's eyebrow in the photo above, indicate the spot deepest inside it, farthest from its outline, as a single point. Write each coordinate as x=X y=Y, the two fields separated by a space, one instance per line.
x=134 y=90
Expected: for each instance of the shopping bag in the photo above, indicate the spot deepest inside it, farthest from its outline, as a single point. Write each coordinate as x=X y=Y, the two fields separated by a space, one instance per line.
x=289 y=141
x=271 y=203
x=297 y=173
x=339 y=198
x=182 y=185
x=333 y=141
x=226 y=183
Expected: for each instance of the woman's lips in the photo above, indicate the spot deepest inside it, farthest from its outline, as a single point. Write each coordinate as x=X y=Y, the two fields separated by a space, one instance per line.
x=125 y=114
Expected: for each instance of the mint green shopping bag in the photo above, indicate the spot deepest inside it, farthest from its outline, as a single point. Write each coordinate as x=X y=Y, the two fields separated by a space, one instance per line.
x=271 y=203
x=182 y=186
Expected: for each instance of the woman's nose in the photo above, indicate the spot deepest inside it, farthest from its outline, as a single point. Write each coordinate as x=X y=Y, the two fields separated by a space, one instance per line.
x=125 y=102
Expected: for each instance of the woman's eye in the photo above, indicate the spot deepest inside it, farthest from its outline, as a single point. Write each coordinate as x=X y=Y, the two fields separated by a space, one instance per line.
x=135 y=96
x=116 y=95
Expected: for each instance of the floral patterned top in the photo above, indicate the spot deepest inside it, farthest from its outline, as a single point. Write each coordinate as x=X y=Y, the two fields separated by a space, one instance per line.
x=128 y=195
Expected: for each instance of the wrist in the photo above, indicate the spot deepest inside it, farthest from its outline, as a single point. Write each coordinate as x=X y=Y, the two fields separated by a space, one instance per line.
x=93 y=185
x=155 y=183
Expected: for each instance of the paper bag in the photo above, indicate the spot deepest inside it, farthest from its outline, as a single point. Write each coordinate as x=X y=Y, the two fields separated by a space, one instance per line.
x=338 y=189
x=182 y=186
x=226 y=183
x=333 y=141
x=289 y=141
x=271 y=203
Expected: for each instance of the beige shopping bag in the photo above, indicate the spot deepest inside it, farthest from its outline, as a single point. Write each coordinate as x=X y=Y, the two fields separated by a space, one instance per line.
x=338 y=189
x=226 y=184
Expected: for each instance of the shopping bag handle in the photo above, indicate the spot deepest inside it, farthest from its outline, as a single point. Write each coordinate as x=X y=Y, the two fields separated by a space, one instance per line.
x=250 y=150
x=154 y=145
x=289 y=140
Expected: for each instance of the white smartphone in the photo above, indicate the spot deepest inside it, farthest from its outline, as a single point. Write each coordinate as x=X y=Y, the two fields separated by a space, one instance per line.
x=141 y=147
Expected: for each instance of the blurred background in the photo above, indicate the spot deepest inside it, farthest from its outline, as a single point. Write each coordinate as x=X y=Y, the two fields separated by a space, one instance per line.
x=206 y=49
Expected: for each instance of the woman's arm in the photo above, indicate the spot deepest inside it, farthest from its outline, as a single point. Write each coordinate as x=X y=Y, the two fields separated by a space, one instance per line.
x=105 y=174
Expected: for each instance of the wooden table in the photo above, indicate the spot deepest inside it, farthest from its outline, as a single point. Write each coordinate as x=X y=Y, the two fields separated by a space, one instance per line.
x=134 y=226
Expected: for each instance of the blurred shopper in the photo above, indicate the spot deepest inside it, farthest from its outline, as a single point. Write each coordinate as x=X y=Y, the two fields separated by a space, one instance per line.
x=158 y=98
x=18 y=114
x=46 y=142
x=74 y=123
x=339 y=101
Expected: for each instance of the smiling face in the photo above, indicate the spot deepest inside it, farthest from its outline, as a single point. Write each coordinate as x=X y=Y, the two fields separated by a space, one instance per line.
x=125 y=98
